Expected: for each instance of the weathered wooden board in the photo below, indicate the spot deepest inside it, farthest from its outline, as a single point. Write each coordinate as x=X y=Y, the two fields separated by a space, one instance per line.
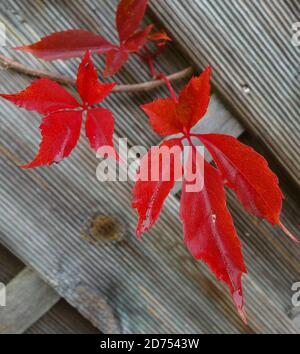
x=255 y=66
x=122 y=272
x=10 y=266
x=118 y=283
x=33 y=306
x=55 y=213
x=62 y=319
x=28 y=299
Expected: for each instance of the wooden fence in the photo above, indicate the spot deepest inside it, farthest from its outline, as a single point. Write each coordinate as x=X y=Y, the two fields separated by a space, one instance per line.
x=118 y=284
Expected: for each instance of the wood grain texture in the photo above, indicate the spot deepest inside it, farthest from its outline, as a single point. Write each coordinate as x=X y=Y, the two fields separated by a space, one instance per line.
x=28 y=299
x=255 y=66
x=10 y=265
x=62 y=319
x=118 y=283
x=124 y=272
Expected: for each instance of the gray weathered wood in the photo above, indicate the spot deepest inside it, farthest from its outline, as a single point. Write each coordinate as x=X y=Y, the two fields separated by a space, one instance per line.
x=28 y=298
x=10 y=266
x=255 y=66
x=108 y=268
x=62 y=319
x=118 y=283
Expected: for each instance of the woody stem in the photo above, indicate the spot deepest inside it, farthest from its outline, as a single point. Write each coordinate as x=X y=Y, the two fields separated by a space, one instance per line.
x=170 y=87
x=159 y=76
x=140 y=87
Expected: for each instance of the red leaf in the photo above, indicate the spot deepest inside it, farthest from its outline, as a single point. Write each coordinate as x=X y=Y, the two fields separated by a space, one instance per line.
x=44 y=96
x=194 y=99
x=170 y=117
x=248 y=174
x=61 y=127
x=138 y=40
x=90 y=89
x=209 y=232
x=163 y=118
x=99 y=127
x=114 y=61
x=149 y=193
x=67 y=44
x=60 y=133
x=129 y=16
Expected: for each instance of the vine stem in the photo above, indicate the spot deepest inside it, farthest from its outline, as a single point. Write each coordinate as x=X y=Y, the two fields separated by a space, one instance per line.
x=144 y=86
x=149 y=59
x=170 y=88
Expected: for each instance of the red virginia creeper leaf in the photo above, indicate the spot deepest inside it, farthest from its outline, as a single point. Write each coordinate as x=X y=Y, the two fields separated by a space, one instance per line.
x=138 y=40
x=170 y=117
x=67 y=44
x=114 y=61
x=162 y=114
x=149 y=193
x=248 y=174
x=129 y=16
x=61 y=126
x=99 y=127
x=194 y=99
x=60 y=133
x=44 y=96
x=90 y=89
x=209 y=232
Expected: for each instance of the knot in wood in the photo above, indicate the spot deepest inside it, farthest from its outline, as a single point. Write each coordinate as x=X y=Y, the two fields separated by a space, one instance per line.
x=103 y=228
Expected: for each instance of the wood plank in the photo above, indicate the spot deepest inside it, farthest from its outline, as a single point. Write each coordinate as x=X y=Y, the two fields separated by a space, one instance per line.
x=111 y=278
x=255 y=66
x=10 y=265
x=28 y=298
x=62 y=319
x=61 y=259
